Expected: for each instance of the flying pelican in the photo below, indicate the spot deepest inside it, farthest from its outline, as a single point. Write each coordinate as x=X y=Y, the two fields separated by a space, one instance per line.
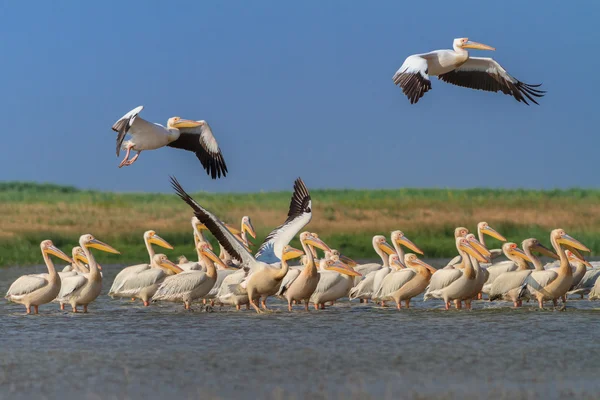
x=510 y=286
x=335 y=281
x=460 y=284
x=306 y=281
x=456 y=67
x=299 y=215
x=37 y=289
x=85 y=288
x=555 y=284
x=150 y=238
x=407 y=283
x=191 y=285
x=195 y=136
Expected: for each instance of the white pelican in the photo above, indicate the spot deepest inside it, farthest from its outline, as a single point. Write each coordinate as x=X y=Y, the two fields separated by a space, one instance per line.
x=460 y=231
x=307 y=279
x=85 y=288
x=335 y=282
x=511 y=285
x=37 y=289
x=587 y=283
x=231 y=292
x=456 y=67
x=459 y=284
x=554 y=284
x=150 y=238
x=195 y=136
x=364 y=286
x=406 y=283
x=78 y=267
x=595 y=291
x=188 y=286
x=299 y=215
x=483 y=228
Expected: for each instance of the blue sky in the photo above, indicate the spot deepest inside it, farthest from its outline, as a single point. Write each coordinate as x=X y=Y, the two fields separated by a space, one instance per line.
x=297 y=89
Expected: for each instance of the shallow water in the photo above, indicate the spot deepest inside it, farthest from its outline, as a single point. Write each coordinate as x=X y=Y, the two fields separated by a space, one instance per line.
x=122 y=350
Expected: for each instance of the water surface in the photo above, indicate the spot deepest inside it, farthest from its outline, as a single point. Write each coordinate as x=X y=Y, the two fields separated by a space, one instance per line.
x=122 y=350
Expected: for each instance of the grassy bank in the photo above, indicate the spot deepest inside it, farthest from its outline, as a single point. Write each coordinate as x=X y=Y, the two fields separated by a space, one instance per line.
x=346 y=219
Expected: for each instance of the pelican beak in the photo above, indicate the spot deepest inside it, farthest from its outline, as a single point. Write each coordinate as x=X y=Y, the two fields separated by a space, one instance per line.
x=186 y=123
x=570 y=241
x=540 y=248
x=348 y=261
x=201 y=226
x=210 y=254
x=398 y=263
x=521 y=254
x=292 y=253
x=478 y=46
x=316 y=242
x=407 y=243
x=247 y=226
x=471 y=250
x=424 y=264
x=233 y=230
x=157 y=240
x=575 y=257
x=96 y=244
x=55 y=251
x=488 y=230
x=480 y=248
x=575 y=252
x=171 y=266
x=386 y=248
x=342 y=268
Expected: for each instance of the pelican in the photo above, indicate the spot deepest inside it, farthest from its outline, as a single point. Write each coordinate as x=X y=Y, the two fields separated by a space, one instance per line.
x=195 y=136
x=299 y=215
x=595 y=292
x=510 y=286
x=37 y=289
x=85 y=288
x=460 y=231
x=150 y=238
x=407 y=283
x=460 y=284
x=553 y=285
x=231 y=292
x=383 y=250
x=587 y=283
x=456 y=67
x=188 y=286
x=483 y=229
x=306 y=281
x=396 y=265
x=335 y=281
x=78 y=267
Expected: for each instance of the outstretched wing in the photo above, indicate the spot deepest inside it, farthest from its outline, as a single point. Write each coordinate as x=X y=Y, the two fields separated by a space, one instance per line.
x=123 y=125
x=413 y=78
x=484 y=73
x=299 y=215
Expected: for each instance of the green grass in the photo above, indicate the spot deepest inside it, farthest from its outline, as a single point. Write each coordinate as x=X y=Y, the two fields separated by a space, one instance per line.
x=346 y=219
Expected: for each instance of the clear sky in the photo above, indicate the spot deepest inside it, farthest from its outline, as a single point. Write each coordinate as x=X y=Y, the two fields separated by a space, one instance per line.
x=294 y=89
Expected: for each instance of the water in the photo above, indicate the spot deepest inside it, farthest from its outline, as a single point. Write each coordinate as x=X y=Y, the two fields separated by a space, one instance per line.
x=121 y=350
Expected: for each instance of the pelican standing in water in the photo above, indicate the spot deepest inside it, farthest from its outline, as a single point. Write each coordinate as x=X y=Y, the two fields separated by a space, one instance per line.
x=150 y=238
x=483 y=229
x=458 y=68
x=85 y=288
x=363 y=287
x=510 y=285
x=194 y=136
x=335 y=281
x=78 y=267
x=37 y=289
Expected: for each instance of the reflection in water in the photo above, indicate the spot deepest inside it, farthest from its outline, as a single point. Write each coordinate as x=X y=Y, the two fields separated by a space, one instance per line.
x=123 y=350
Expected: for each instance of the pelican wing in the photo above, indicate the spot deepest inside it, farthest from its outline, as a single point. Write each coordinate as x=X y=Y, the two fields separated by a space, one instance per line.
x=393 y=282
x=364 y=287
x=589 y=279
x=234 y=247
x=179 y=284
x=70 y=285
x=202 y=142
x=486 y=74
x=443 y=277
x=288 y=279
x=124 y=274
x=413 y=78
x=299 y=215
x=26 y=284
x=126 y=122
x=538 y=280
x=506 y=282
x=134 y=283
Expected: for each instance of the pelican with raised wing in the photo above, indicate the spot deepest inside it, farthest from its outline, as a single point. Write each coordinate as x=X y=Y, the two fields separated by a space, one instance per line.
x=37 y=289
x=194 y=136
x=458 y=68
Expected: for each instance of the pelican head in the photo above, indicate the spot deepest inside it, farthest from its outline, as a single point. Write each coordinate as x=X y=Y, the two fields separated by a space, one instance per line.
x=79 y=255
x=48 y=247
x=478 y=245
x=534 y=245
x=575 y=259
x=395 y=261
x=88 y=240
x=338 y=266
x=162 y=261
x=461 y=231
x=399 y=238
x=382 y=244
x=290 y=253
x=411 y=260
x=483 y=227
x=312 y=239
x=153 y=238
x=248 y=227
x=511 y=250
x=561 y=237
x=464 y=245
x=465 y=43
x=206 y=250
